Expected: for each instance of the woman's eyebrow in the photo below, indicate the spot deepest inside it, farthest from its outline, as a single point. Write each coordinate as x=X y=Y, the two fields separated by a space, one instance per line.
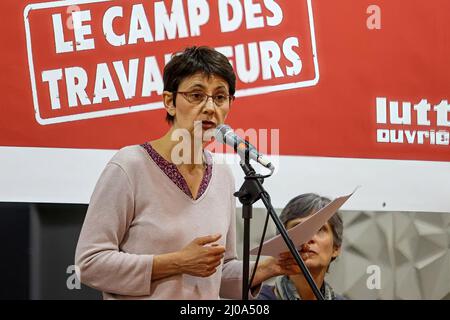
x=202 y=87
x=296 y=223
x=221 y=87
x=196 y=85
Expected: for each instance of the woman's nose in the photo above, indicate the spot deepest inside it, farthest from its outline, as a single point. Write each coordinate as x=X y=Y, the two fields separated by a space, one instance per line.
x=313 y=239
x=209 y=106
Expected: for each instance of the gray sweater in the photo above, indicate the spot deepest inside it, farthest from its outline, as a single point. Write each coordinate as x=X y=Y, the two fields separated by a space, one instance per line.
x=137 y=212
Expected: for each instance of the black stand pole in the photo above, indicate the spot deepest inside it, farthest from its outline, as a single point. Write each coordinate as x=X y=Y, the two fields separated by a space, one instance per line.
x=250 y=192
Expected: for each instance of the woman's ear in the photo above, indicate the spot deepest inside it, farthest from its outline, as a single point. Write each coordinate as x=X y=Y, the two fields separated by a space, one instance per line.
x=169 y=103
x=336 y=252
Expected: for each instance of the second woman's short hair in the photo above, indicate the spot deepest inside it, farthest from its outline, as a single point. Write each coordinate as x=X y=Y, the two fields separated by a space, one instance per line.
x=307 y=204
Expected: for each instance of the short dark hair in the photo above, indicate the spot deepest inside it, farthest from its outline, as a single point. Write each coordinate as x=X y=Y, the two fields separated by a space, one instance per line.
x=306 y=204
x=193 y=60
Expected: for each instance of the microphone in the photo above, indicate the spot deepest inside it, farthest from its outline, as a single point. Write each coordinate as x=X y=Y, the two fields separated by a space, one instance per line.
x=225 y=135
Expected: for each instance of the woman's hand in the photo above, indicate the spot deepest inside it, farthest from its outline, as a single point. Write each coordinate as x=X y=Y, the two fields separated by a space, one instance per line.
x=272 y=267
x=200 y=259
x=284 y=265
x=287 y=263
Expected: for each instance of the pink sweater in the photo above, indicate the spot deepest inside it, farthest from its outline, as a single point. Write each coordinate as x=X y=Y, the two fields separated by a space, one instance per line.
x=137 y=212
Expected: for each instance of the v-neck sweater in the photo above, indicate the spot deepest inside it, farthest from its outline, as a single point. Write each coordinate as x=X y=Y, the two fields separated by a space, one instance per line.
x=171 y=170
x=136 y=211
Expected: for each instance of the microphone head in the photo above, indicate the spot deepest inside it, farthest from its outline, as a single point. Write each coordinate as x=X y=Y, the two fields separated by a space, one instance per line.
x=221 y=131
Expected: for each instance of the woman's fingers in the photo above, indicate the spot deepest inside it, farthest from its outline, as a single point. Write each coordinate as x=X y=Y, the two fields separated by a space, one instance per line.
x=207 y=239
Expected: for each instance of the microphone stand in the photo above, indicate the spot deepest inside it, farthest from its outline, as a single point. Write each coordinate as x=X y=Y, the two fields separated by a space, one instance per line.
x=250 y=192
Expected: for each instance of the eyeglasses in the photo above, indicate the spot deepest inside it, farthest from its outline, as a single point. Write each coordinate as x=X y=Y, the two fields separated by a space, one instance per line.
x=199 y=97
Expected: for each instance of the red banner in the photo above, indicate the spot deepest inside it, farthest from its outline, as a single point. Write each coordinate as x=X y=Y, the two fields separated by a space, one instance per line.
x=356 y=79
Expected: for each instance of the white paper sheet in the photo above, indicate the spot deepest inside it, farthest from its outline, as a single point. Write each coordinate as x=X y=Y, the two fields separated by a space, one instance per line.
x=302 y=232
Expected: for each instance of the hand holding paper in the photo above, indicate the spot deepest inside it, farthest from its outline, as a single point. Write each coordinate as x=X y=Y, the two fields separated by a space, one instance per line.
x=302 y=232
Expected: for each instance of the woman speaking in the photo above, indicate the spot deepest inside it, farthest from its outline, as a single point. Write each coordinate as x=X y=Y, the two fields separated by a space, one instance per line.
x=161 y=221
